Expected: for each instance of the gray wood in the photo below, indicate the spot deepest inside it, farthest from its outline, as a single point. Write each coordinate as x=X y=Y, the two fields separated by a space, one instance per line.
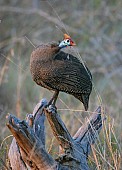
x=29 y=140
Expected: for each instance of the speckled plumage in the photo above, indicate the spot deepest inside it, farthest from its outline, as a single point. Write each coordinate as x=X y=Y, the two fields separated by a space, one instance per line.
x=57 y=70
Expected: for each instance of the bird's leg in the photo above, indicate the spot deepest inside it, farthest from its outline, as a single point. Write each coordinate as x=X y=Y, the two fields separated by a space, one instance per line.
x=54 y=98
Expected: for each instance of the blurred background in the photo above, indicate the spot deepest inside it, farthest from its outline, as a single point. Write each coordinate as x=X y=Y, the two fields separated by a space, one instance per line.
x=96 y=28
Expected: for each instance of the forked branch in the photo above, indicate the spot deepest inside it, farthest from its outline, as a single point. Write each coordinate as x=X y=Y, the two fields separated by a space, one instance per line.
x=29 y=141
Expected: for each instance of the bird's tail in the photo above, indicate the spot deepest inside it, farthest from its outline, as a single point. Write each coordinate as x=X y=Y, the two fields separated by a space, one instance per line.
x=85 y=101
x=84 y=98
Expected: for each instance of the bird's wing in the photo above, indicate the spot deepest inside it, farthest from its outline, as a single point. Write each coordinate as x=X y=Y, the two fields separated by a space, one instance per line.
x=70 y=76
x=67 y=57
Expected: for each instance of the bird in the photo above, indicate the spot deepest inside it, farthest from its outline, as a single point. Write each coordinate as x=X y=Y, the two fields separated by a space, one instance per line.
x=56 y=70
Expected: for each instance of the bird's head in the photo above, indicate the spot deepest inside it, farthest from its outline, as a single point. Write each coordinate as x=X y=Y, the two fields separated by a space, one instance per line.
x=67 y=41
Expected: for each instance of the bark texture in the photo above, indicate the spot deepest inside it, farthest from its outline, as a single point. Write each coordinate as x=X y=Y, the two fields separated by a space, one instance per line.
x=27 y=150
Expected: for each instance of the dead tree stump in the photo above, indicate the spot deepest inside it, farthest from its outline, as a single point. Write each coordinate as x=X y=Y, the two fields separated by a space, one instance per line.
x=27 y=150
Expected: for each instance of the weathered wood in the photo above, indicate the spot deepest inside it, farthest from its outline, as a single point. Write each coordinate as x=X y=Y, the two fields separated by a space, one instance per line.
x=31 y=146
x=39 y=119
x=15 y=158
x=58 y=127
x=29 y=142
x=88 y=133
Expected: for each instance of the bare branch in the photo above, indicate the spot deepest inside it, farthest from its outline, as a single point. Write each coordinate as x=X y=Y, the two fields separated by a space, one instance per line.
x=88 y=133
x=39 y=119
x=58 y=127
x=30 y=140
x=41 y=13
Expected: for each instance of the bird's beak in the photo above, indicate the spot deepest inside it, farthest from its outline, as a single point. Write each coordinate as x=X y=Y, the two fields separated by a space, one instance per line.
x=72 y=43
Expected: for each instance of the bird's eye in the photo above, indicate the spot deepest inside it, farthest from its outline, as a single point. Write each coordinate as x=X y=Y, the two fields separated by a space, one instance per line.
x=67 y=40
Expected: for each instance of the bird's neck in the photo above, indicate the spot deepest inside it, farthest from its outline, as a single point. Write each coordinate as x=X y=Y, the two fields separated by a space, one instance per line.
x=51 y=52
x=45 y=53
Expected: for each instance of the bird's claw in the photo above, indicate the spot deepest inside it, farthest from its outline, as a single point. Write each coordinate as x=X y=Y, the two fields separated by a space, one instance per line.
x=51 y=109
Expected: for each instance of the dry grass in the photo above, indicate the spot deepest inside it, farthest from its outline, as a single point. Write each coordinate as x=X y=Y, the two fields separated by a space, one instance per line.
x=96 y=27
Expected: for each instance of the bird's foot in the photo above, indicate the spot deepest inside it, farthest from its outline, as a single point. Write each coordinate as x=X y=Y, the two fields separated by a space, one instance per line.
x=51 y=103
x=51 y=108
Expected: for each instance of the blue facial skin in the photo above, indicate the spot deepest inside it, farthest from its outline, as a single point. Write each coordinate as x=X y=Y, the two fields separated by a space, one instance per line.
x=64 y=43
